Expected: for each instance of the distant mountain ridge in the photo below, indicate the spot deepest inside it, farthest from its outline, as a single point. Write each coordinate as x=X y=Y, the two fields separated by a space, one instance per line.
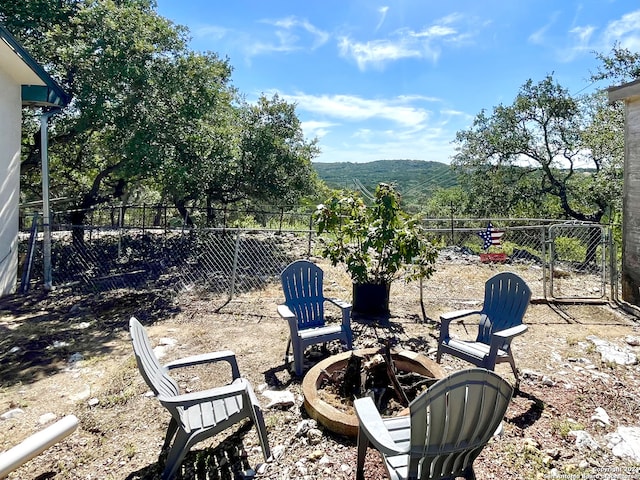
x=409 y=175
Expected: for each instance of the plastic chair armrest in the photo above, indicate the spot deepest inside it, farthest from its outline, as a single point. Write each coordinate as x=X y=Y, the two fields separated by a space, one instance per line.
x=345 y=307
x=511 y=332
x=212 y=357
x=371 y=423
x=499 y=339
x=188 y=399
x=285 y=312
x=447 y=317
x=338 y=302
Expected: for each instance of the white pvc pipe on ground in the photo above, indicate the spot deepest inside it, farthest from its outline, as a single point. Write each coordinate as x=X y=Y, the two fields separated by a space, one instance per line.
x=36 y=444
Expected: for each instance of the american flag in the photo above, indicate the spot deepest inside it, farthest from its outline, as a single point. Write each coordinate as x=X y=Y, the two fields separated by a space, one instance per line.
x=491 y=236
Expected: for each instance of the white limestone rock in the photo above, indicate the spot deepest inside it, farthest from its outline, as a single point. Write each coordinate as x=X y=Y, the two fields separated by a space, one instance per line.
x=625 y=443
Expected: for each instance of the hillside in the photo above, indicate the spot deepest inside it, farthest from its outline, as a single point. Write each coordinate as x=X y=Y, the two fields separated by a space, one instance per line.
x=410 y=176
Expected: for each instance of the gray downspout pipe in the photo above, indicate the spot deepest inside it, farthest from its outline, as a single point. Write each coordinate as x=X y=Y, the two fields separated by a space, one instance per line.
x=46 y=213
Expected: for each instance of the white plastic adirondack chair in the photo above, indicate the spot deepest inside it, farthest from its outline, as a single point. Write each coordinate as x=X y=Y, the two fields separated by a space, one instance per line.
x=448 y=426
x=506 y=298
x=199 y=415
x=304 y=310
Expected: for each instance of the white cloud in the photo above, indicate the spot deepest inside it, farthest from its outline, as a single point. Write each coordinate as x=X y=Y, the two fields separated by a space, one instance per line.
x=626 y=31
x=407 y=43
x=435 y=31
x=316 y=128
x=580 y=43
x=212 y=32
x=288 y=35
x=318 y=36
x=539 y=36
x=354 y=109
x=376 y=52
x=367 y=145
x=383 y=14
x=294 y=34
x=392 y=128
x=584 y=39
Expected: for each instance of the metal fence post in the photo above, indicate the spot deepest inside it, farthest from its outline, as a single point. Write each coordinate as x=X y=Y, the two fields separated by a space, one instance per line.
x=310 y=235
x=452 y=227
x=120 y=222
x=613 y=265
x=545 y=268
x=26 y=272
x=234 y=268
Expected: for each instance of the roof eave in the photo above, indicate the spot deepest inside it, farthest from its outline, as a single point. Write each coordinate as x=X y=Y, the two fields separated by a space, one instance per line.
x=48 y=95
x=625 y=91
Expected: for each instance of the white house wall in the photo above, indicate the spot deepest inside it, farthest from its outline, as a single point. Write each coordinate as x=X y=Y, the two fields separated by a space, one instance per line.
x=10 y=125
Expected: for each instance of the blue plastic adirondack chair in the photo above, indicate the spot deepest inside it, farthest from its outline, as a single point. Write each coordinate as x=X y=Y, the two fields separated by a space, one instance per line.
x=303 y=308
x=506 y=298
x=448 y=426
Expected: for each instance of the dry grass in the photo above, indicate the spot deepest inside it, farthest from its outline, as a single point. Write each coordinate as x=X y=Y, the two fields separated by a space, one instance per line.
x=120 y=437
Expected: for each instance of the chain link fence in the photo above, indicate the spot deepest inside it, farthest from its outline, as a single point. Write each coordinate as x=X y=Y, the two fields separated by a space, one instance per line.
x=560 y=260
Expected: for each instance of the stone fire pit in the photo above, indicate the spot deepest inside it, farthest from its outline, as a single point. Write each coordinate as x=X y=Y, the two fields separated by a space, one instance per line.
x=341 y=422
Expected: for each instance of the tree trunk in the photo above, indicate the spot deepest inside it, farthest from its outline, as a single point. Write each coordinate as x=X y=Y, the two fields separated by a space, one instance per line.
x=78 y=218
x=184 y=213
x=211 y=213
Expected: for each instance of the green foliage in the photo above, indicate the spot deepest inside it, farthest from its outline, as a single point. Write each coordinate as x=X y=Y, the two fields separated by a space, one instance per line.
x=447 y=202
x=619 y=66
x=562 y=427
x=547 y=153
x=416 y=180
x=570 y=249
x=149 y=114
x=375 y=243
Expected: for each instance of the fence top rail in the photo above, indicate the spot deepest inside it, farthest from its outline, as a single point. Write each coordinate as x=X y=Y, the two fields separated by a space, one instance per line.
x=181 y=229
x=477 y=229
x=504 y=220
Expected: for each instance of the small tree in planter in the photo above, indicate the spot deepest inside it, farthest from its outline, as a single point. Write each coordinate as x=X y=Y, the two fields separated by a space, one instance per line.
x=376 y=243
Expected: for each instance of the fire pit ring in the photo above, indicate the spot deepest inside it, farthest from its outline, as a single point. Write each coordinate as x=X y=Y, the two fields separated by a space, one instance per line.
x=343 y=423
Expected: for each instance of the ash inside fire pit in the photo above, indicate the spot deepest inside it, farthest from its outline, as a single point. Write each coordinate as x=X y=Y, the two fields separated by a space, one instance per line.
x=374 y=375
x=330 y=387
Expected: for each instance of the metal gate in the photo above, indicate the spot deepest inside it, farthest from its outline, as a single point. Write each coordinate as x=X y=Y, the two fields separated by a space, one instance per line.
x=578 y=264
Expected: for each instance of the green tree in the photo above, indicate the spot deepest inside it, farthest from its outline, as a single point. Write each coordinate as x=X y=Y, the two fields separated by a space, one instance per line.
x=254 y=153
x=275 y=159
x=146 y=112
x=137 y=92
x=446 y=202
x=621 y=65
x=545 y=145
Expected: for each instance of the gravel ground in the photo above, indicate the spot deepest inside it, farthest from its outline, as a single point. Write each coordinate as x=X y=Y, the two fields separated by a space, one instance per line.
x=65 y=353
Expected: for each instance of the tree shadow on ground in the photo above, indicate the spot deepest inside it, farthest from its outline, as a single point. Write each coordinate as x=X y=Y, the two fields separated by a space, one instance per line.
x=225 y=461
x=530 y=416
x=280 y=377
x=42 y=332
x=376 y=334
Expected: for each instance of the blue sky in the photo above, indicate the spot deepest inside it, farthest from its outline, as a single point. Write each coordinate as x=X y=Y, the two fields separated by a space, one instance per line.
x=397 y=79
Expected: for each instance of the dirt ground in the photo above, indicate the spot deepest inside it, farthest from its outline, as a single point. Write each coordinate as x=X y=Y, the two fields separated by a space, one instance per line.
x=66 y=353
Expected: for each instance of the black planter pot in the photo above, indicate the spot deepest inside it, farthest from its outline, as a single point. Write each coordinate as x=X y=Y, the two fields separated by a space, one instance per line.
x=371 y=301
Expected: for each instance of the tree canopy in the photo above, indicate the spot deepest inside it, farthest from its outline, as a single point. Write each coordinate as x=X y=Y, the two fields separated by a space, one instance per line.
x=546 y=152
x=149 y=114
